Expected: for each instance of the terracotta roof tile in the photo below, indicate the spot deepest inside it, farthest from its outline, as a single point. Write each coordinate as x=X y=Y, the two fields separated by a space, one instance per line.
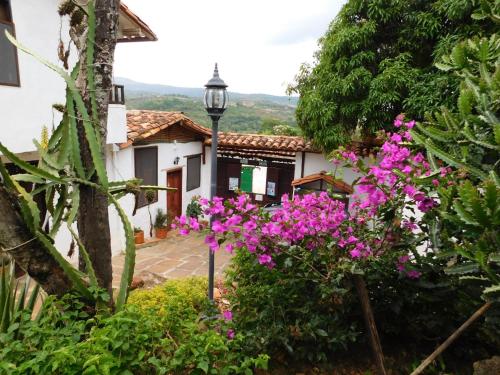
x=142 y=124
x=263 y=142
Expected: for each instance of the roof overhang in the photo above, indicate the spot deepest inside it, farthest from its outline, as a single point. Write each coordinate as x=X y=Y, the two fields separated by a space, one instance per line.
x=132 y=28
x=142 y=124
x=323 y=176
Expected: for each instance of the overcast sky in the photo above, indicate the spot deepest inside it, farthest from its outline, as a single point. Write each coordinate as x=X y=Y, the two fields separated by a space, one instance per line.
x=259 y=44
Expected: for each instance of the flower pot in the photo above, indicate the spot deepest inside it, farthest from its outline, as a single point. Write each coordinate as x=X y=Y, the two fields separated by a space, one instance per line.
x=161 y=232
x=139 y=237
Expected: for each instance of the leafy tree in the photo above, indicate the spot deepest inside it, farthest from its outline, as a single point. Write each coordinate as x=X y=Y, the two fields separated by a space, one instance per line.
x=377 y=60
x=277 y=127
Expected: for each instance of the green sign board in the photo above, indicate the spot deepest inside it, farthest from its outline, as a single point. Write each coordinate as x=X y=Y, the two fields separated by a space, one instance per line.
x=246 y=178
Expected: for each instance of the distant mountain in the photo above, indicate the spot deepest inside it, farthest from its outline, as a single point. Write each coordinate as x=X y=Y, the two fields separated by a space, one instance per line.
x=134 y=89
x=247 y=113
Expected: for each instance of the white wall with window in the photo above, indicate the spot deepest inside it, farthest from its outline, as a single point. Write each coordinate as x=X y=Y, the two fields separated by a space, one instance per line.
x=26 y=102
x=156 y=159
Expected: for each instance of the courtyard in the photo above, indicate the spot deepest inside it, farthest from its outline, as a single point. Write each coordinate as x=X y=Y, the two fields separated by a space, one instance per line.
x=174 y=257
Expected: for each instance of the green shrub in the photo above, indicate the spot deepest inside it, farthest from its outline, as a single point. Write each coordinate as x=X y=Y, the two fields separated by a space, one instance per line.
x=289 y=309
x=160 y=331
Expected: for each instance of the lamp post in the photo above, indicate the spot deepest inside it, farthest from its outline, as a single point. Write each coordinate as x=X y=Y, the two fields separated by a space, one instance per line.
x=215 y=101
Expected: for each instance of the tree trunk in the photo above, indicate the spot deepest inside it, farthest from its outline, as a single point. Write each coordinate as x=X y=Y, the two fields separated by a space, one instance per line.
x=378 y=355
x=93 y=219
x=27 y=252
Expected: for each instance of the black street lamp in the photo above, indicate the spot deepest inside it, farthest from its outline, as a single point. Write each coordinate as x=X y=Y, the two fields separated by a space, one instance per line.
x=215 y=101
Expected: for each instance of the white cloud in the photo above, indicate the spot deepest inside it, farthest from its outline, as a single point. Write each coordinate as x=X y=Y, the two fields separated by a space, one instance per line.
x=258 y=44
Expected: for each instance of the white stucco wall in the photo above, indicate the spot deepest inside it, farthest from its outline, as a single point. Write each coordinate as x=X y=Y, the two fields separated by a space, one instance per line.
x=27 y=108
x=120 y=166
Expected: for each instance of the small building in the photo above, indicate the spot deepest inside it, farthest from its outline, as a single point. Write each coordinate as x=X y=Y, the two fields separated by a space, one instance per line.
x=169 y=149
x=322 y=181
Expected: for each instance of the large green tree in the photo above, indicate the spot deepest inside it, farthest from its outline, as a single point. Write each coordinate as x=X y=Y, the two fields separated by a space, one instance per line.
x=377 y=60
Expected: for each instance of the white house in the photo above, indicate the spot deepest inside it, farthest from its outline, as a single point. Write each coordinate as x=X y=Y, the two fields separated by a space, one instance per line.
x=28 y=89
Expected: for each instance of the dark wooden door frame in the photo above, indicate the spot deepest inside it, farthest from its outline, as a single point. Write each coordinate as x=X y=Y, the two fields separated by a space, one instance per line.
x=172 y=171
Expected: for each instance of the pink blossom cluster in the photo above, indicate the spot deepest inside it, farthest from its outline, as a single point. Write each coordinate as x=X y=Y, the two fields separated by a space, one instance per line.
x=404 y=266
x=309 y=221
x=317 y=220
x=393 y=176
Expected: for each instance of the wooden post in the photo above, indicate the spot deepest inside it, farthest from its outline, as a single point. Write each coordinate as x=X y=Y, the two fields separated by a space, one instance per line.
x=360 y=285
x=452 y=338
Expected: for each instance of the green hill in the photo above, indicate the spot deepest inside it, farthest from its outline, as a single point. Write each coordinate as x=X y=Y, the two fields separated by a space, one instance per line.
x=247 y=113
x=243 y=115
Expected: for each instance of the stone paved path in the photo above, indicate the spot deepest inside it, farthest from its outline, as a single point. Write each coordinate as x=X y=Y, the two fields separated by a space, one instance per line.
x=175 y=257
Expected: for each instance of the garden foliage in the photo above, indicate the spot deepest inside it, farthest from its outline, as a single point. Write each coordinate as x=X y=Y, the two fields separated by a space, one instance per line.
x=161 y=331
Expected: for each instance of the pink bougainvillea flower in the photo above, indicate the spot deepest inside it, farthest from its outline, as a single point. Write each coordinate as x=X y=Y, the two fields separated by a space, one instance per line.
x=355 y=253
x=228 y=315
x=230 y=334
x=412 y=274
x=264 y=259
x=410 y=124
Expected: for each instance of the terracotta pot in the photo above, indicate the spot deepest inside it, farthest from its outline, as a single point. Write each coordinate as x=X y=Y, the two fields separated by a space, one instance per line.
x=139 y=237
x=161 y=232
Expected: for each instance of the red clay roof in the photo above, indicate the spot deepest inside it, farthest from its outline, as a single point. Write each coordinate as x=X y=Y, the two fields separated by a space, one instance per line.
x=263 y=142
x=142 y=124
x=143 y=31
x=341 y=185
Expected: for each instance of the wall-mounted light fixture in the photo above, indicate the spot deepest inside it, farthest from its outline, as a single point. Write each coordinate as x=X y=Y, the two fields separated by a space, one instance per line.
x=176 y=160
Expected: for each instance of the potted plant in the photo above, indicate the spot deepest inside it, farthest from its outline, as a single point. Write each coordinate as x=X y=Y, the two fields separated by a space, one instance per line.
x=161 y=224
x=138 y=235
x=194 y=210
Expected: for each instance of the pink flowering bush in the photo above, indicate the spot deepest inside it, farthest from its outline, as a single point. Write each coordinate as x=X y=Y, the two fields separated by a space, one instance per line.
x=290 y=280
x=374 y=224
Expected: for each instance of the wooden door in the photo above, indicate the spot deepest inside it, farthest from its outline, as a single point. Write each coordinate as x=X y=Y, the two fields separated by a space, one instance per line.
x=174 y=198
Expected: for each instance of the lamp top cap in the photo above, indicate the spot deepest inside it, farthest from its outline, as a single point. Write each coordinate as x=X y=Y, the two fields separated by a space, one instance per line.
x=216 y=81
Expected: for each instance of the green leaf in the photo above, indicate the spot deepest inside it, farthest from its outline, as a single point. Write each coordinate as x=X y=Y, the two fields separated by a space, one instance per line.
x=34 y=220
x=64 y=146
x=464 y=215
x=462 y=269
x=75 y=204
x=494 y=258
x=28 y=167
x=492 y=289
x=452 y=161
x=435 y=133
x=46 y=158
x=72 y=274
x=465 y=102
x=85 y=255
x=24 y=177
x=91 y=22
x=129 y=264
x=321 y=332
x=74 y=143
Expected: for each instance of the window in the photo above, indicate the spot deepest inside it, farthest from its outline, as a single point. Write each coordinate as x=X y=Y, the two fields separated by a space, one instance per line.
x=193 y=172
x=9 y=68
x=146 y=168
